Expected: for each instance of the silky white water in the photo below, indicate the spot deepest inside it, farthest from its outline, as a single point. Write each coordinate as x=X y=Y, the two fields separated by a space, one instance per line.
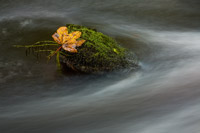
x=162 y=96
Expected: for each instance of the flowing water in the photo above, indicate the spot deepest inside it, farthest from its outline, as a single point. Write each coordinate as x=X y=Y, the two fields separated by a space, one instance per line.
x=163 y=96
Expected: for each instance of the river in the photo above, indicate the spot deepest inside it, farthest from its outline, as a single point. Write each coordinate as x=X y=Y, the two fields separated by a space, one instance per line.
x=163 y=96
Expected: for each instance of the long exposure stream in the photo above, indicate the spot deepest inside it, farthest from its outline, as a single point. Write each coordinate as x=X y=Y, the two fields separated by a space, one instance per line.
x=163 y=96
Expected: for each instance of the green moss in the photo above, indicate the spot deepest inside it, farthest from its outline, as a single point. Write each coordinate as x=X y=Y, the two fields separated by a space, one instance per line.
x=99 y=53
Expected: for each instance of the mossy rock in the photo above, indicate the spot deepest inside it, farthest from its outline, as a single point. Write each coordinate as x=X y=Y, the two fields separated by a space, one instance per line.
x=99 y=53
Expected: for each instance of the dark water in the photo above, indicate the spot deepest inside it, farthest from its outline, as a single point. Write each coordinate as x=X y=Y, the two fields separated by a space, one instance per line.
x=162 y=97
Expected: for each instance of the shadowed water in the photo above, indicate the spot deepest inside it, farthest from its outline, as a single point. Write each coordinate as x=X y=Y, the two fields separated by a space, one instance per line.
x=161 y=97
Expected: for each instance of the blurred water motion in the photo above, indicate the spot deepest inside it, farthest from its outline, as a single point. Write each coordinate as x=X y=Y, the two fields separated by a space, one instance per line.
x=161 y=97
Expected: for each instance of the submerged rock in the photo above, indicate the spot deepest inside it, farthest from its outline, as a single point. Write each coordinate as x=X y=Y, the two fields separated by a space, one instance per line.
x=99 y=53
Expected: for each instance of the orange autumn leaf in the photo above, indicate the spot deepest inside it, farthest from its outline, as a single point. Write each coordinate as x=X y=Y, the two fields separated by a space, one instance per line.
x=68 y=41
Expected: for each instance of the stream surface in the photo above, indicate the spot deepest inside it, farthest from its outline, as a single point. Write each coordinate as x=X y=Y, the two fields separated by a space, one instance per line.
x=163 y=96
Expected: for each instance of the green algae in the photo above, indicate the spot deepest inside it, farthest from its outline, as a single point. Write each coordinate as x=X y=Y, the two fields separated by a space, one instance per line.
x=99 y=53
